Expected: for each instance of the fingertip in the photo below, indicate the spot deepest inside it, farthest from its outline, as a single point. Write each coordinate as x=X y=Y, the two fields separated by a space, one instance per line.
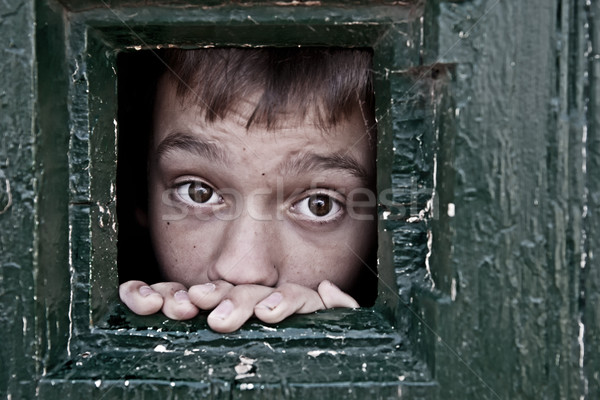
x=270 y=309
x=181 y=313
x=334 y=297
x=204 y=296
x=179 y=307
x=181 y=296
x=140 y=298
x=272 y=301
x=208 y=295
x=219 y=327
x=146 y=291
x=221 y=319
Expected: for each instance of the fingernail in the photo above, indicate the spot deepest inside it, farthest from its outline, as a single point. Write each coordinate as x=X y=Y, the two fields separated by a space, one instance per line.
x=146 y=291
x=181 y=295
x=223 y=310
x=206 y=287
x=271 y=302
x=331 y=284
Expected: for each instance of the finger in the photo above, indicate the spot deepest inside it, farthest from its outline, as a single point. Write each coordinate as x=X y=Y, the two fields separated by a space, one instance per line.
x=207 y=296
x=288 y=299
x=140 y=298
x=176 y=303
x=237 y=307
x=333 y=297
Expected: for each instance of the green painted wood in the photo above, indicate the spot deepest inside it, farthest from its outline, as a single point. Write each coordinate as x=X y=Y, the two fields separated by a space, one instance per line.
x=512 y=327
x=331 y=352
x=488 y=113
x=52 y=266
x=591 y=267
x=84 y=5
x=18 y=183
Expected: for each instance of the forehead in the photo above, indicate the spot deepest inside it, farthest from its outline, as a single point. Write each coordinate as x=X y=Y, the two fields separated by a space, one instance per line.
x=174 y=115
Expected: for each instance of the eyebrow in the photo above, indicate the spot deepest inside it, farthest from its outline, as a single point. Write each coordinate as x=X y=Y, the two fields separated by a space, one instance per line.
x=302 y=163
x=190 y=144
x=307 y=162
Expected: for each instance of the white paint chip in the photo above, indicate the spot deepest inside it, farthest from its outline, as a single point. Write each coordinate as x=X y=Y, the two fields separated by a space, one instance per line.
x=451 y=210
x=270 y=329
x=247 y=360
x=245 y=368
x=317 y=353
x=453 y=290
x=162 y=349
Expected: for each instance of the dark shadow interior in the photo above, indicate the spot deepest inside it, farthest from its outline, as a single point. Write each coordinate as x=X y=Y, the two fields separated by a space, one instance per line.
x=137 y=76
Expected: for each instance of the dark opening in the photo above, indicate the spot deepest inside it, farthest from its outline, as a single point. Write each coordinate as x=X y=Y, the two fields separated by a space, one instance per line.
x=138 y=73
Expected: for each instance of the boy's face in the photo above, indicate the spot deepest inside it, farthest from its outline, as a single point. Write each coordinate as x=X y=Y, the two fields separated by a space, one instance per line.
x=258 y=206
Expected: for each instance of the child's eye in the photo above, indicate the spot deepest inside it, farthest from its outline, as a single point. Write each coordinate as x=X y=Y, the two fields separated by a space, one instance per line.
x=198 y=193
x=318 y=207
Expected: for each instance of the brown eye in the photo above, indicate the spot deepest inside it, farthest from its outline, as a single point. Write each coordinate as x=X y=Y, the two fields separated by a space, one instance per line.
x=318 y=207
x=319 y=204
x=200 y=192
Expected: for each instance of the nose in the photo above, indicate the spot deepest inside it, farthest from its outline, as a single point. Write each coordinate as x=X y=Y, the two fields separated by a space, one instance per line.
x=248 y=253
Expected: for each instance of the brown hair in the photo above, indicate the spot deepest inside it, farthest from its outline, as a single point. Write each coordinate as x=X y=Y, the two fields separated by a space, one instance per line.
x=331 y=82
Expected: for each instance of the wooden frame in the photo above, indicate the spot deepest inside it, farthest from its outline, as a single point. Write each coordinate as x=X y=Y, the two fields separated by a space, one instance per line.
x=102 y=347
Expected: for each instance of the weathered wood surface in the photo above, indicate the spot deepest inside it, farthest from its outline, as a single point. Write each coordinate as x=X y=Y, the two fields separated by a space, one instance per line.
x=18 y=184
x=514 y=313
x=524 y=320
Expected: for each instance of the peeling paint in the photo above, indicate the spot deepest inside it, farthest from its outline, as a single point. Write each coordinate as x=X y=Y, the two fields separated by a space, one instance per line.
x=9 y=197
x=71 y=291
x=267 y=345
x=428 y=257
x=245 y=368
x=451 y=210
x=162 y=349
x=247 y=386
x=297 y=3
x=317 y=353
x=453 y=290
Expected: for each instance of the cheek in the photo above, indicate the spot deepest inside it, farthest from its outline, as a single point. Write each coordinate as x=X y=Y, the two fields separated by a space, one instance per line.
x=338 y=257
x=334 y=264
x=183 y=256
x=352 y=253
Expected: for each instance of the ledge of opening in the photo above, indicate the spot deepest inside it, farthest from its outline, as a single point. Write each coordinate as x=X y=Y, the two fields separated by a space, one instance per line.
x=333 y=350
x=350 y=324
x=82 y=5
x=262 y=25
